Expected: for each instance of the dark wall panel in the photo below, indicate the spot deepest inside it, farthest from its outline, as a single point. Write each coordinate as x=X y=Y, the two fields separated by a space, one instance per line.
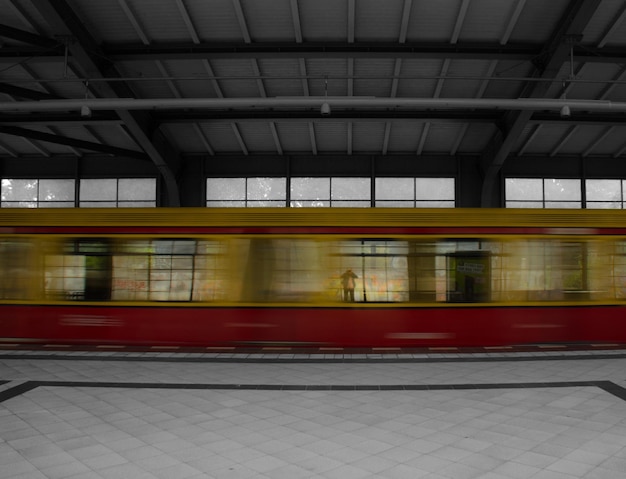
x=543 y=167
x=53 y=167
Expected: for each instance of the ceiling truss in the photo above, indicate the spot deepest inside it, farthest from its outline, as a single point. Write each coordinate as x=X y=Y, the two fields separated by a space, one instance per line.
x=93 y=66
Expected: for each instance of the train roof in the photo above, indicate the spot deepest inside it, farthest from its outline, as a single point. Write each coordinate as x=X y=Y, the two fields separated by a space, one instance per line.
x=312 y=217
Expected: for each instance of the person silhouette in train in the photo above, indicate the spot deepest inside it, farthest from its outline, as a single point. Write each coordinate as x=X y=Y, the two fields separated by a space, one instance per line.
x=348 y=283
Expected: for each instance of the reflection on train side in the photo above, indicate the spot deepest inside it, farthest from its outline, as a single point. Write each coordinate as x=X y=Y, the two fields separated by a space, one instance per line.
x=306 y=270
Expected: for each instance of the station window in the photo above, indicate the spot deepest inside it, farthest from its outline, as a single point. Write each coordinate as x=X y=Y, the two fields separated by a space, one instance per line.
x=246 y=192
x=61 y=193
x=333 y=192
x=310 y=192
x=415 y=192
x=604 y=194
x=346 y=192
x=543 y=193
x=37 y=193
x=117 y=193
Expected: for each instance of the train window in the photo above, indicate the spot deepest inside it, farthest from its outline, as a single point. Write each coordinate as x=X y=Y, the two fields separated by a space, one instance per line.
x=547 y=270
x=156 y=270
x=381 y=267
x=81 y=272
x=170 y=270
x=15 y=264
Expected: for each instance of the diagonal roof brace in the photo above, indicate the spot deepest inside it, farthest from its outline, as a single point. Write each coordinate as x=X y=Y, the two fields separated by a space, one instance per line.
x=87 y=57
x=27 y=37
x=555 y=53
x=72 y=142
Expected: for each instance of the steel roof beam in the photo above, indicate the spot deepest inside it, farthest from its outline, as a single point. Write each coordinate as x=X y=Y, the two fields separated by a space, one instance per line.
x=548 y=64
x=193 y=33
x=71 y=142
x=266 y=50
x=357 y=49
x=360 y=116
x=27 y=37
x=404 y=22
x=87 y=55
x=20 y=92
x=54 y=118
x=295 y=15
x=512 y=21
x=613 y=27
x=241 y=19
x=292 y=104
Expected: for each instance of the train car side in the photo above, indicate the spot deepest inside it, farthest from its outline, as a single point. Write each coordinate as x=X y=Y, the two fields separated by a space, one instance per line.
x=436 y=278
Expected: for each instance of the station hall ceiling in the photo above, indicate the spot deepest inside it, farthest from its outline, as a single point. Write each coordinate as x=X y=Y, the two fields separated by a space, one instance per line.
x=163 y=79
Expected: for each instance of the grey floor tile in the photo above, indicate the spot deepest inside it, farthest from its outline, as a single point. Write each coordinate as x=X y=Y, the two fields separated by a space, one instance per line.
x=492 y=433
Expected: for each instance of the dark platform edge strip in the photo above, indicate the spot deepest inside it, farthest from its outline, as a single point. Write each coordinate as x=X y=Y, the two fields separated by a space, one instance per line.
x=607 y=386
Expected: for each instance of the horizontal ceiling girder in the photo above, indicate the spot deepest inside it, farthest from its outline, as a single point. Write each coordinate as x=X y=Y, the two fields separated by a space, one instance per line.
x=261 y=50
x=166 y=51
x=314 y=115
x=355 y=103
x=97 y=118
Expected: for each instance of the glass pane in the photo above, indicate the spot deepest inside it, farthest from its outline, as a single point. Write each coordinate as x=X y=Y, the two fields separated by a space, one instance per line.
x=130 y=278
x=434 y=188
x=395 y=204
x=310 y=188
x=98 y=190
x=562 y=190
x=19 y=190
x=19 y=204
x=395 y=189
x=56 y=190
x=351 y=204
x=524 y=189
x=524 y=204
x=56 y=204
x=435 y=204
x=309 y=204
x=267 y=189
x=603 y=190
x=564 y=204
x=98 y=204
x=225 y=204
x=604 y=205
x=225 y=189
x=266 y=204
x=350 y=189
x=136 y=204
x=137 y=189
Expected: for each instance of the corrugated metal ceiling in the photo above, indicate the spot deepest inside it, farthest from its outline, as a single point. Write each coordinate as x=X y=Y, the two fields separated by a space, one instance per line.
x=294 y=48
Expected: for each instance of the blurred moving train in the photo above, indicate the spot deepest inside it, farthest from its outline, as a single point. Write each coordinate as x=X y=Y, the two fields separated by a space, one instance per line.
x=272 y=276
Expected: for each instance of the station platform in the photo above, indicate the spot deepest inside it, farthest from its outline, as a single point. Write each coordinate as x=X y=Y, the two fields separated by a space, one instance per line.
x=541 y=413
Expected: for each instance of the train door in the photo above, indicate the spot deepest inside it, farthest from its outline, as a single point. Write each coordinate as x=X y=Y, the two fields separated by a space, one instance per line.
x=81 y=272
x=469 y=277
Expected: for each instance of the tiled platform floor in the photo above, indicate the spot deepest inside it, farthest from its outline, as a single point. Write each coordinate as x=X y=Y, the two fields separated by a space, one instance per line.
x=85 y=414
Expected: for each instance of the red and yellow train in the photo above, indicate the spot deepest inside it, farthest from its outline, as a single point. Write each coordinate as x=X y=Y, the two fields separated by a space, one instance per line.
x=273 y=276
